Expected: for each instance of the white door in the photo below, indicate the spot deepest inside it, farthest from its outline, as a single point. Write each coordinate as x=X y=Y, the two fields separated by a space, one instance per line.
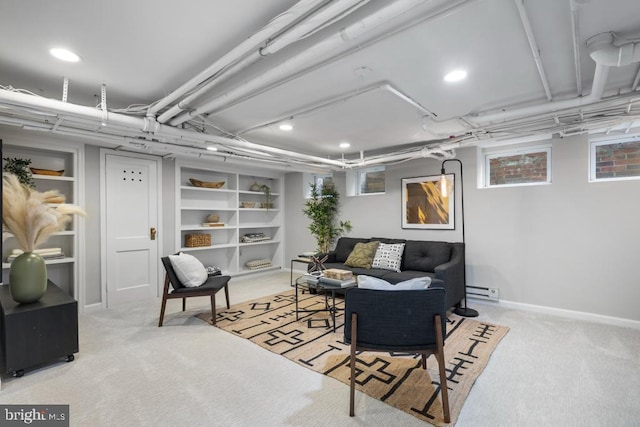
x=131 y=208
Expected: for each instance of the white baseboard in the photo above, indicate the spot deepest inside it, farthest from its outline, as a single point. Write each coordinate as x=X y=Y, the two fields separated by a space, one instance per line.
x=92 y=308
x=579 y=315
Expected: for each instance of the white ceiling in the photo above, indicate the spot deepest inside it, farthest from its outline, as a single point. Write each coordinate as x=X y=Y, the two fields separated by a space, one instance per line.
x=382 y=91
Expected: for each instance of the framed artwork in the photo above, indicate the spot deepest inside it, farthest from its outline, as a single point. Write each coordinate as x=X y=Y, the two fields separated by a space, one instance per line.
x=424 y=206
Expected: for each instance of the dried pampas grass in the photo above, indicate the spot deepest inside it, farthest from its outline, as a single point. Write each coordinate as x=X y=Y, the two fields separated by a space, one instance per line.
x=26 y=214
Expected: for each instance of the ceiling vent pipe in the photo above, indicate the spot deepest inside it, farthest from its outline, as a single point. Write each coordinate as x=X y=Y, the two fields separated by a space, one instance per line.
x=240 y=57
x=603 y=50
x=275 y=26
x=143 y=126
x=605 y=54
x=328 y=47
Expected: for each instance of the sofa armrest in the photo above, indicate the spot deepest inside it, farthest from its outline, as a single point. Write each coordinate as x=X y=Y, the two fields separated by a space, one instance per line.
x=452 y=274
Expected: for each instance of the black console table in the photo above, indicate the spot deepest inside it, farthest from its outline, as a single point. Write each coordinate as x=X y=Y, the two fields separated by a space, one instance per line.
x=38 y=333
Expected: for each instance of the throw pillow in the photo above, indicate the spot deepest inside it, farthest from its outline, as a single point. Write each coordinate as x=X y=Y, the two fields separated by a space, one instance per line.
x=189 y=269
x=368 y=282
x=362 y=255
x=388 y=256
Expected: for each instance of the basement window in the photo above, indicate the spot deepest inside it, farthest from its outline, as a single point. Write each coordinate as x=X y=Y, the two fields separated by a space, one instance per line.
x=366 y=181
x=614 y=159
x=516 y=166
x=320 y=180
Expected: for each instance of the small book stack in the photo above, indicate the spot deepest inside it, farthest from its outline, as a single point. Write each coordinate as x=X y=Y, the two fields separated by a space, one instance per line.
x=48 y=253
x=337 y=282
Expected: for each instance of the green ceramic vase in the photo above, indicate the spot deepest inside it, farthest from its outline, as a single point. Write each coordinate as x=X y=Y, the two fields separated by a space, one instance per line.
x=28 y=278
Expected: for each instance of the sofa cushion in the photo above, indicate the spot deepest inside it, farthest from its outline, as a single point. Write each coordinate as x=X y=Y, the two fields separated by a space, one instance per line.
x=425 y=255
x=388 y=256
x=362 y=255
x=368 y=282
x=345 y=246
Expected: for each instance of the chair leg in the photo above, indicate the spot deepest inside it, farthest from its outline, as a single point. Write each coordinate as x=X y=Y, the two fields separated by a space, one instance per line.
x=213 y=309
x=424 y=360
x=226 y=294
x=164 y=299
x=352 y=361
x=443 y=373
x=184 y=304
x=162 y=307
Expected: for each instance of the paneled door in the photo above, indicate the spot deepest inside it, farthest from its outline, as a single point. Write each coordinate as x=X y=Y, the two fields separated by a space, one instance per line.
x=131 y=206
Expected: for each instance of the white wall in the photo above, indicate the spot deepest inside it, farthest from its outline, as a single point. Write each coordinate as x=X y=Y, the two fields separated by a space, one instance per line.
x=570 y=245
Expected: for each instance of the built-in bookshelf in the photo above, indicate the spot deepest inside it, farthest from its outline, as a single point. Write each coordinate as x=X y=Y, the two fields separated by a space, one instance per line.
x=248 y=227
x=64 y=271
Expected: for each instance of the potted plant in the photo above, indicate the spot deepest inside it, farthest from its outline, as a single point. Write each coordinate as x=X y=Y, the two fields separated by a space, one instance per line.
x=322 y=210
x=31 y=220
x=267 y=196
x=20 y=168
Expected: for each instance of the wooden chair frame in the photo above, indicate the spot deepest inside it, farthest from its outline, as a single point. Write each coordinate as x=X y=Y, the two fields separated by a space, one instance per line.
x=184 y=293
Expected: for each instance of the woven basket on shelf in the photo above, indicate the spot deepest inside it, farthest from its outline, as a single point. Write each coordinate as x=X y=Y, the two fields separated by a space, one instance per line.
x=196 y=240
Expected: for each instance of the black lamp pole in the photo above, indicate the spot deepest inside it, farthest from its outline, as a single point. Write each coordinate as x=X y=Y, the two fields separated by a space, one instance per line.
x=461 y=311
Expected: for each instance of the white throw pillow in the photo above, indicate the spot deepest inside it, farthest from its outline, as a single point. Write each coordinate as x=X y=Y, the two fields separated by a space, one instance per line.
x=388 y=256
x=368 y=282
x=189 y=269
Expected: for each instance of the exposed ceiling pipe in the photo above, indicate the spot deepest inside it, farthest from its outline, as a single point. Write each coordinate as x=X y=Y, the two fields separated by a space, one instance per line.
x=144 y=125
x=524 y=18
x=276 y=25
x=605 y=54
x=318 y=16
x=342 y=98
x=575 y=32
x=603 y=50
x=313 y=24
x=312 y=55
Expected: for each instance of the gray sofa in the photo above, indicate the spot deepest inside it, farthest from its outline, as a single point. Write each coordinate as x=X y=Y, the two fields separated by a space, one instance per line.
x=443 y=262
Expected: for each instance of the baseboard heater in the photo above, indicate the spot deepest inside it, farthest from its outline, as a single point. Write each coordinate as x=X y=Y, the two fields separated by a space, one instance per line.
x=483 y=293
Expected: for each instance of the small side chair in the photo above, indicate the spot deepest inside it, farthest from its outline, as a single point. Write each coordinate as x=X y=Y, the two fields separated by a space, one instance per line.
x=207 y=289
x=397 y=321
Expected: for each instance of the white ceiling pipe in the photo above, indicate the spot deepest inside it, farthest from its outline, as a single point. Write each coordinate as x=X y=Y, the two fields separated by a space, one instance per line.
x=340 y=99
x=524 y=18
x=281 y=40
x=575 y=32
x=313 y=23
x=599 y=80
x=604 y=53
x=312 y=55
x=145 y=125
x=276 y=25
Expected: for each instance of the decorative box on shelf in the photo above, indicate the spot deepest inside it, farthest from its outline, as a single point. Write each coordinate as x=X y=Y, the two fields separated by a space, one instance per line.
x=196 y=240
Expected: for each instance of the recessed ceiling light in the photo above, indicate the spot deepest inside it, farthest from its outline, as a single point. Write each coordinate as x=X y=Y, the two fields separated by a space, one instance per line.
x=64 y=54
x=211 y=148
x=286 y=127
x=345 y=145
x=455 y=76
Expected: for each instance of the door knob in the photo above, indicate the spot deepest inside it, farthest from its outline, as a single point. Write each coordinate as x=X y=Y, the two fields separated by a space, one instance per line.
x=152 y=232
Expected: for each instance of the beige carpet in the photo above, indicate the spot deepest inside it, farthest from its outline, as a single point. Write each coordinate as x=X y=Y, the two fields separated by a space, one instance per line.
x=399 y=381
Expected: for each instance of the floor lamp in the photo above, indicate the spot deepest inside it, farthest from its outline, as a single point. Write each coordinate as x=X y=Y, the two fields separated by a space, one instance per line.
x=461 y=311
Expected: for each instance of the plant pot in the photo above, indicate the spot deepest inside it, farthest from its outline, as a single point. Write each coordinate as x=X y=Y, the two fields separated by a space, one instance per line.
x=28 y=278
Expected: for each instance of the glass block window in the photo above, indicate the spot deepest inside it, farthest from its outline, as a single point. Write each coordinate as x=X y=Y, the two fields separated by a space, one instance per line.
x=615 y=159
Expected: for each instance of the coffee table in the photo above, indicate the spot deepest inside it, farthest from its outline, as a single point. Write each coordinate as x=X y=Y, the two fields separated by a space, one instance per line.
x=329 y=305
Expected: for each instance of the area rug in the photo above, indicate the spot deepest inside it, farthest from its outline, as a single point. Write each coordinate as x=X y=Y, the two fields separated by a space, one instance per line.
x=397 y=380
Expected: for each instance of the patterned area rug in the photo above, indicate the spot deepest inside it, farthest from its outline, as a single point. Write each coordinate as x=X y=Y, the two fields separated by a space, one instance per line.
x=398 y=381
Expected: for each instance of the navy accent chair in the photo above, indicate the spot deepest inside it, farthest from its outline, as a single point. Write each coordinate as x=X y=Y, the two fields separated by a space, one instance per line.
x=207 y=289
x=397 y=321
